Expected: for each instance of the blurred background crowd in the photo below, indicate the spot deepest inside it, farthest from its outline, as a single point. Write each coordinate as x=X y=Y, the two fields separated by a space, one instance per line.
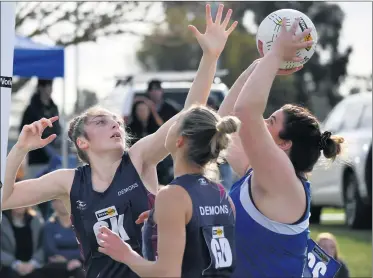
x=40 y=242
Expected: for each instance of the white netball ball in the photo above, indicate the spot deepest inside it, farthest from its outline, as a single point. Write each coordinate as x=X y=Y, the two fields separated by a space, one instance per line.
x=271 y=26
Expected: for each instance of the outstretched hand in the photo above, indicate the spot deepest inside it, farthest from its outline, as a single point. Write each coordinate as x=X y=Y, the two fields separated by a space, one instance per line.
x=215 y=37
x=288 y=43
x=30 y=137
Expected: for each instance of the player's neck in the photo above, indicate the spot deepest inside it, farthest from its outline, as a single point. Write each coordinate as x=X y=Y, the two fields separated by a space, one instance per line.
x=104 y=167
x=181 y=167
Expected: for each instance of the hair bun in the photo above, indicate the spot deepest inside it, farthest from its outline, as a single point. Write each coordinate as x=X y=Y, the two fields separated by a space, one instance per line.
x=228 y=125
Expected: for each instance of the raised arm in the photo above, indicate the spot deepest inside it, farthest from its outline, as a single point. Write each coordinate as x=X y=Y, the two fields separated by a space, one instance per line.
x=33 y=191
x=236 y=157
x=151 y=149
x=271 y=165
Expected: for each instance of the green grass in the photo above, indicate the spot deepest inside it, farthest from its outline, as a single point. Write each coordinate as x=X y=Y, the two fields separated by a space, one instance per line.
x=355 y=247
x=332 y=210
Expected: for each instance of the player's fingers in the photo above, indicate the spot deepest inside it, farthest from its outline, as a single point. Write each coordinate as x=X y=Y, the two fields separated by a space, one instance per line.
x=103 y=243
x=194 y=30
x=33 y=129
x=39 y=127
x=105 y=230
x=283 y=24
x=49 y=139
x=306 y=44
x=102 y=250
x=102 y=236
x=294 y=26
x=219 y=14
x=260 y=48
x=208 y=15
x=297 y=59
x=53 y=119
x=302 y=35
x=231 y=29
x=28 y=128
x=290 y=71
x=226 y=19
x=46 y=122
x=142 y=217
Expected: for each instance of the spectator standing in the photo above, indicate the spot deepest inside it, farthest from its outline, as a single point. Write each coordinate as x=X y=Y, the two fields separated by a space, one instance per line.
x=41 y=106
x=166 y=109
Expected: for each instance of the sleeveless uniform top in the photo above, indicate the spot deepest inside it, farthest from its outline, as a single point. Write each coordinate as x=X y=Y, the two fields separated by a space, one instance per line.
x=116 y=208
x=210 y=243
x=267 y=248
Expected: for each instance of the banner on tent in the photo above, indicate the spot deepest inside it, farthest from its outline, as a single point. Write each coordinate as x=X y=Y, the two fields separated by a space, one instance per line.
x=7 y=31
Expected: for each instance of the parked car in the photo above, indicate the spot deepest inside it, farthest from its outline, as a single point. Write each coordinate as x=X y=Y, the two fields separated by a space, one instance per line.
x=175 y=85
x=347 y=183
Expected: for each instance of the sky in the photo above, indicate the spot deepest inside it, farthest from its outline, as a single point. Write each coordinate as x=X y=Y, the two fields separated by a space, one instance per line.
x=99 y=62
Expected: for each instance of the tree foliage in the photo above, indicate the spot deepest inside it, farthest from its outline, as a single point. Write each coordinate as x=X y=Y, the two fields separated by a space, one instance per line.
x=71 y=23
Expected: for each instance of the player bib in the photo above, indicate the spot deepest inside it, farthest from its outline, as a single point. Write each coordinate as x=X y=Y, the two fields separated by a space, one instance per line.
x=221 y=245
x=319 y=264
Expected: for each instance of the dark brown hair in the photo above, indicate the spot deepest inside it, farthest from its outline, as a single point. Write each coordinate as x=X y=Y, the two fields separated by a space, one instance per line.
x=303 y=130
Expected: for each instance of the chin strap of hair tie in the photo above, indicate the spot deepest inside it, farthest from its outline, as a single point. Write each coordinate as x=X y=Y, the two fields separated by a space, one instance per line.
x=324 y=138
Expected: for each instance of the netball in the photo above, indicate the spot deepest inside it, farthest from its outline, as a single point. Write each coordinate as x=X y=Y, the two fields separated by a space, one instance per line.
x=271 y=26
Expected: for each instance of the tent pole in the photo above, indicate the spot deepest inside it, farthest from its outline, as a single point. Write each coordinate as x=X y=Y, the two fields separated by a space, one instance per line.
x=64 y=124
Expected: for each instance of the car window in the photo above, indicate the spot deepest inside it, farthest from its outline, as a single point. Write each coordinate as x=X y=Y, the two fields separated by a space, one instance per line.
x=352 y=116
x=334 y=120
x=179 y=95
x=366 y=118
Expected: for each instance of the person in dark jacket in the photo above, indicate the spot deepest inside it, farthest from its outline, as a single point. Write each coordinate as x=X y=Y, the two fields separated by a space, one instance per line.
x=41 y=106
x=60 y=245
x=166 y=109
x=328 y=243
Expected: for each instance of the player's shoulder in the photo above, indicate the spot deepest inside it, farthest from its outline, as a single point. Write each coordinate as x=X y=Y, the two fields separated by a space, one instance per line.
x=171 y=193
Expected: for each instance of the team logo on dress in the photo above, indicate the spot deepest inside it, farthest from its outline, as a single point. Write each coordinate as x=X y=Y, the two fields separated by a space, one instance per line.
x=106 y=213
x=80 y=205
x=202 y=181
x=218 y=232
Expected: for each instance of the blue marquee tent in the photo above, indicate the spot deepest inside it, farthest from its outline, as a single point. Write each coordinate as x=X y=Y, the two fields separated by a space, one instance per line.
x=35 y=59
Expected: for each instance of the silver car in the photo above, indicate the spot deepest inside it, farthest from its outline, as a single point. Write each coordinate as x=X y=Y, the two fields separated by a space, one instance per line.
x=347 y=183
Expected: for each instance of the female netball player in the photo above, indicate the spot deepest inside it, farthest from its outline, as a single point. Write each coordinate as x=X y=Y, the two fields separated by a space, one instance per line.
x=272 y=199
x=112 y=189
x=193 y=214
